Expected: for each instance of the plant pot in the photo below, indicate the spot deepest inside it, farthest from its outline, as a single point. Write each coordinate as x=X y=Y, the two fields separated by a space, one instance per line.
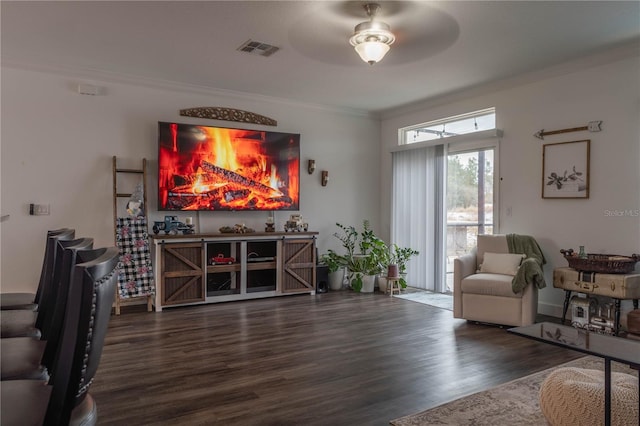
x=382 y=283
x=368 y=283
x=335 y=279
x=392 y=270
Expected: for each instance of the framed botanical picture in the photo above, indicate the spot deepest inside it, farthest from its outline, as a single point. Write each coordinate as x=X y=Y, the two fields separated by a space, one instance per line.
x=565 y=169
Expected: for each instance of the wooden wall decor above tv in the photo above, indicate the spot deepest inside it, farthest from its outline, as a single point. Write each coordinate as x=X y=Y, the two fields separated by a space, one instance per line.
x=228 y=114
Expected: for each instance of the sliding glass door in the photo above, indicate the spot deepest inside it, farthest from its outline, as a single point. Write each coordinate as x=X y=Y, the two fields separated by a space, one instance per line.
x=444 y=192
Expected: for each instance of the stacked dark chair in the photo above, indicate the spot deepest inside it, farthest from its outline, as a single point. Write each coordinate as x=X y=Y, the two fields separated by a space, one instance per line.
x=27 y=322
x=26 y=357
x=65 y=398
x=29 y=301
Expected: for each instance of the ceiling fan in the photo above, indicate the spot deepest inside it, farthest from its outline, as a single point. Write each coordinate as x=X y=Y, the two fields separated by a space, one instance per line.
x=417 y=29
x=372 y=39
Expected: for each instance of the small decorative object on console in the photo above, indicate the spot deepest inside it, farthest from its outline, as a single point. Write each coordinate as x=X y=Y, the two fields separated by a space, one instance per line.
x=587 y=313
x=603 y=263
x=582 y=309
x=271 y=223
x=255 y=257
x=236 y=229
x=171 y=225
x=296 y=224
x=220 y=259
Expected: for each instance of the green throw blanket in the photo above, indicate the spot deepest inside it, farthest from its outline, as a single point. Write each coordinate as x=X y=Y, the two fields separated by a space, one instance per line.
x=530 y=271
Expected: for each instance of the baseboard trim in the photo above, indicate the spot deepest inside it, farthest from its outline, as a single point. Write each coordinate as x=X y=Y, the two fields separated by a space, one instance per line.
x=550 y=310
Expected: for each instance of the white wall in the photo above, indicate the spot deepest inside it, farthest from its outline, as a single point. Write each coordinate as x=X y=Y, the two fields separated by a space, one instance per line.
x=57 y=147
x=609 y=92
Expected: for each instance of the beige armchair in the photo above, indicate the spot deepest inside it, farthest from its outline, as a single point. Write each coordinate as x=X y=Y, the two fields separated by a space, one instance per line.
x=488 y=296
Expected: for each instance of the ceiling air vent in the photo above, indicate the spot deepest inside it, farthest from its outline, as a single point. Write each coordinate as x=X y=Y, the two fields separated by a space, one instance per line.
x=258 y=48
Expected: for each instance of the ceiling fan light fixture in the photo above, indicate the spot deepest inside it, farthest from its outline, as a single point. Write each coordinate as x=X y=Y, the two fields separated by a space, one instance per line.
x=372 y=51
x=371 y=39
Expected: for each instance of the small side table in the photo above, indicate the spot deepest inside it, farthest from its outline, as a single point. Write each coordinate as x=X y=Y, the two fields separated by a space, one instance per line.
x=393 y=284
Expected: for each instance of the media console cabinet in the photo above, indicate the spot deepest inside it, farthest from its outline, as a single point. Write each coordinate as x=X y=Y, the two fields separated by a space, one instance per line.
x=209 y=268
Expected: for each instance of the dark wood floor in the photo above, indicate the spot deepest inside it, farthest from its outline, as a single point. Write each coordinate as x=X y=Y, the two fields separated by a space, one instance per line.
x=332 y=359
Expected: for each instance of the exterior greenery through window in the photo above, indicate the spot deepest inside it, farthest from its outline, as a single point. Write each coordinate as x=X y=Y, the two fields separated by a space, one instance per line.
x=465 y=175
x=470 y=198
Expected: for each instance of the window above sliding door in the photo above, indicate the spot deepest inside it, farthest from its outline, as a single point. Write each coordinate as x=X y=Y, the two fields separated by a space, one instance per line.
x=464 y=124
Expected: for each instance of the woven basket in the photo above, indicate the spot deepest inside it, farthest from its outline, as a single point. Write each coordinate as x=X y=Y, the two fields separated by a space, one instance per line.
x=603 y=263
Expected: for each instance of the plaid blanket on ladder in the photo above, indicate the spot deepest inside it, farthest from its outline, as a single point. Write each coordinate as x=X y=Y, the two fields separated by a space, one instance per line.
x=135 y=277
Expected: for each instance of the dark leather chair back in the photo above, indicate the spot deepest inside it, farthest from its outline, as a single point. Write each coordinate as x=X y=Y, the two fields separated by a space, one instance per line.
x=52 y=327
x=91 y=295
x=48 y=263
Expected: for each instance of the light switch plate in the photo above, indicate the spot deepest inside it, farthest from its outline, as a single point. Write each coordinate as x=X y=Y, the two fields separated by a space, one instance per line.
x=39 y=209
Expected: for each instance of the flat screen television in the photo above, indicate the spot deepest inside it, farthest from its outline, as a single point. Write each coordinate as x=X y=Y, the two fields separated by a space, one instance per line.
x=204 y=168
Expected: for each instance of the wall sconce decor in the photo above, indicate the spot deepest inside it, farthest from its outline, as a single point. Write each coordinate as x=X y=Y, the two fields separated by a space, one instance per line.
x=311 y=166
x=325 y=178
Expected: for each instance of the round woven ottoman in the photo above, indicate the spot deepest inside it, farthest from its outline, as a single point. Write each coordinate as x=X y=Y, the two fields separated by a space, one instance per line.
x=575 y=396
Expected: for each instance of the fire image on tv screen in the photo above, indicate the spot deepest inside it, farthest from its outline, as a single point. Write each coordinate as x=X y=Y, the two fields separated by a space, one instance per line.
x=215 y=168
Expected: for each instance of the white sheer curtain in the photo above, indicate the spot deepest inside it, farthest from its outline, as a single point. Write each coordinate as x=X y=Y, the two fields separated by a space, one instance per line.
x=418 y=212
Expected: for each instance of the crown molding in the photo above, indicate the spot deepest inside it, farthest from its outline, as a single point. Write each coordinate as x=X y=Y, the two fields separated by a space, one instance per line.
x=619 y=52
x=134 y=80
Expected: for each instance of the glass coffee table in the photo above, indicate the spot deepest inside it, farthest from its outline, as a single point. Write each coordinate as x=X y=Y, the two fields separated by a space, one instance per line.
x=610 y=348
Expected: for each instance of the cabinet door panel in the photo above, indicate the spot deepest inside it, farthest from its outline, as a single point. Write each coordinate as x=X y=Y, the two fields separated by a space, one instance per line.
x=182 y=279
x=299 y=266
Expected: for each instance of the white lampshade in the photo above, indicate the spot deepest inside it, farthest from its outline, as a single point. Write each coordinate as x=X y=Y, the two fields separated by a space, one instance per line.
x=372 y=51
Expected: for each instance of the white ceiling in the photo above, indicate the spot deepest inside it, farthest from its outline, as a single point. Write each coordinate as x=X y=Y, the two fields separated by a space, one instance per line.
x=442 y=47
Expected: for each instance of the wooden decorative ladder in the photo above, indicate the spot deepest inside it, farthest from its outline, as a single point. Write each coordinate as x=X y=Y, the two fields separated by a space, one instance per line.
x=118 y=174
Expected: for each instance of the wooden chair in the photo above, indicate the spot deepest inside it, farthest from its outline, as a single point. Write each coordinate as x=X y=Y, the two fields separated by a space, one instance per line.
x=27 y=323
x=26 y=357
x=29 y=301
x=65 y=400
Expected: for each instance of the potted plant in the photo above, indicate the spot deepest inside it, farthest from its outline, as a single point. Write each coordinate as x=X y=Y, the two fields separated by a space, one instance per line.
x=367 y=238
x=385 y=259
x=400 y=256
x=380 y=257
x=356 y=267
x=348 y=238
x=371 y=260
x=374 y=257
x=363 y=273
x=336 y=264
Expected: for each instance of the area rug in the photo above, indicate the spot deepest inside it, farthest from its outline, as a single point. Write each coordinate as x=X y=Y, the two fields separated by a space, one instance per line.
x=439 y=300
x=512 y=403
